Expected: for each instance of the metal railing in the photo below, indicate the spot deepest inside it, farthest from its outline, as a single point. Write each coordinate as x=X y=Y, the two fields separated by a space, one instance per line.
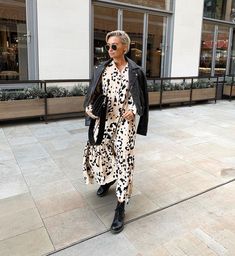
x=190 y=81
x=229 y=81
x=43 y=84
x=218 y=81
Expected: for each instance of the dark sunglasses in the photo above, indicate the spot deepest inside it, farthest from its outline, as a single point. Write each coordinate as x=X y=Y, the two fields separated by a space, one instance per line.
x=113 y=46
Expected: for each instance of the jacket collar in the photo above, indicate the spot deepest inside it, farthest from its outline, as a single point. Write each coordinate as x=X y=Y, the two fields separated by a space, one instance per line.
x=132 y=70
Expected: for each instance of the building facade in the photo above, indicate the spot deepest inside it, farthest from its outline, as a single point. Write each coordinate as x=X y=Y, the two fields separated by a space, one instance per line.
x=64 y=39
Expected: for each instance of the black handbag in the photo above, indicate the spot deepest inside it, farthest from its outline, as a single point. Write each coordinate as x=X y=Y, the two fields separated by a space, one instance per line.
x=99 y=109
x=99 y=105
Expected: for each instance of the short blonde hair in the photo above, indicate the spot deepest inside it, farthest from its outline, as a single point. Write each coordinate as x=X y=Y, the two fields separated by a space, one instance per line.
x=125 y=39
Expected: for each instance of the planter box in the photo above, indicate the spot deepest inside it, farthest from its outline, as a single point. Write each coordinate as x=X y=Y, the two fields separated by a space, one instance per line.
x=154 y=98
x=21 y=108
x=227 y=90
x=65 y=105
x=203 y=94
x=175 y=96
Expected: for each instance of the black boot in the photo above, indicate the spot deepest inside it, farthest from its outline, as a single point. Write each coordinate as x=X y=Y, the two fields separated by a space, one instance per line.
x=103 y=189
x=118 y=221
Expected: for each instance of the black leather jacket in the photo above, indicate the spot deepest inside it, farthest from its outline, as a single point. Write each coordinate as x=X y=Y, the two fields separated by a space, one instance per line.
x=138 y=89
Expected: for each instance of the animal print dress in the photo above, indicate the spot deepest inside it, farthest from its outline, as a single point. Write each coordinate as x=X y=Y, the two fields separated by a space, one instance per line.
x=113 y=159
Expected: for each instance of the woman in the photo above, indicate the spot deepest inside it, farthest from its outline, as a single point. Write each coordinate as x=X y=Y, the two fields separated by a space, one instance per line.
x=124 y=83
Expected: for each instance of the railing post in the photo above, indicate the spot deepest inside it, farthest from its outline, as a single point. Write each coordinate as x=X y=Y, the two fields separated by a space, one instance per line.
x=161 y=90
x=216 y=88
x=45 y=102
x=223 y=86
x=191 y=93
x=231 y=89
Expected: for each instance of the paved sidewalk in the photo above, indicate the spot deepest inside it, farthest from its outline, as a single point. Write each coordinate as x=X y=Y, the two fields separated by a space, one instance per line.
x=45 y=206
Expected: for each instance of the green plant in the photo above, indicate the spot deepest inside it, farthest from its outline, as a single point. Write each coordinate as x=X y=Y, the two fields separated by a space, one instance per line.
x=153 y=87
x=36 y=93
x=55 y=92
x=21 y=94
x=78 y=90
x=200 y=84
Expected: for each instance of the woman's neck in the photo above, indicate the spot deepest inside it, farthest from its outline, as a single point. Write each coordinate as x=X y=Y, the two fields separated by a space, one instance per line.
x=120 y=62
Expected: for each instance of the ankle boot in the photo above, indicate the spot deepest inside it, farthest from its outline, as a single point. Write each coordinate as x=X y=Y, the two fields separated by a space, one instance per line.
x=103 y=189
x=118 y=221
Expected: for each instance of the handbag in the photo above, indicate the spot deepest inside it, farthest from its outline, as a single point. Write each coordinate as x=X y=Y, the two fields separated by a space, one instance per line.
x=99 y=109
x=99 y=105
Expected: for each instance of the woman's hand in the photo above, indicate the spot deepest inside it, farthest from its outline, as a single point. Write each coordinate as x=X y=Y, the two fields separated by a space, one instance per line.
x=88 y=111
x=128 y=115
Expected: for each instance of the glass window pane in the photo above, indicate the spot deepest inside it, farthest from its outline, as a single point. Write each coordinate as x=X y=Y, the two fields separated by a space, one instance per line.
x=206 y=49
x=160 y=4
x=133 y=25
x=105 y=20
x=13 y=40
x=220 y=9
x=155 y=48
x=221 y=50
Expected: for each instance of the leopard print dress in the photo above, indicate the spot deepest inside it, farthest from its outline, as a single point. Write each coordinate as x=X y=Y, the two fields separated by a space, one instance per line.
x=114 y=158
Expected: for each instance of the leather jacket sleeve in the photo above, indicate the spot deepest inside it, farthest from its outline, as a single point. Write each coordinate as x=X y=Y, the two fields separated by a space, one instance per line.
x=143 y=122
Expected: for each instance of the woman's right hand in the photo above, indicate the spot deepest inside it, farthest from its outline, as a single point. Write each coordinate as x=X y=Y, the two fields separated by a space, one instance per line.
x=89 y=112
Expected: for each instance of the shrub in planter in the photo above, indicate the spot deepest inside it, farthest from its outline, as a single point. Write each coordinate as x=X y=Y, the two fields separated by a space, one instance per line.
x=61 y=100
x=153 y=87
x=200 y=84
x=79 y=90
x=21 y=103
x=29 y=93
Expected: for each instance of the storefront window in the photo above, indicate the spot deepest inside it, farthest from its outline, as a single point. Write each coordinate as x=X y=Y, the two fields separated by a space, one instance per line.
x=206 y=49
x=214 y=49
x=220 y=9
x=160 y=4
x=147 y=33
x=105 y=20
x=133 y=25
x=155 y=46
x=221 y=50
x=13 y=40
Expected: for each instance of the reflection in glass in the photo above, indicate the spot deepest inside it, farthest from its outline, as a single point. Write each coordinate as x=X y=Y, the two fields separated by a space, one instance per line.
x=105 y=20
x=206 y=49
x=221 y=50
x=13 y=40
x=220 y=9
x=133 y=25
x=160 y=4
x=155 y=48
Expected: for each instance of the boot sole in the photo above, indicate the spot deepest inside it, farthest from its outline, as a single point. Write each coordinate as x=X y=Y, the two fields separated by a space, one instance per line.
x=117 y=231
x=102 y=195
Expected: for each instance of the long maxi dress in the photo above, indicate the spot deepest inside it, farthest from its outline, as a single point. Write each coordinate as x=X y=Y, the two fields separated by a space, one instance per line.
x=113 y=159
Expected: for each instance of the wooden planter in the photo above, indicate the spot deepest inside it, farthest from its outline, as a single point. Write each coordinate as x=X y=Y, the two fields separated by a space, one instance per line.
x=175 y=96
x=21 y=108
x=154 y=98
x=65 y=105
x=227 y=90
x=203 y=94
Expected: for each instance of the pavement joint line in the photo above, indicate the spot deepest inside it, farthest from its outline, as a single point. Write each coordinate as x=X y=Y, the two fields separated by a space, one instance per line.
x=144 y=215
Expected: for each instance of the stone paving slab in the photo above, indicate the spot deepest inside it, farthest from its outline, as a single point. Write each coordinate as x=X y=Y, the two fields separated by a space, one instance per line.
x=201 y=226
x=188 y=150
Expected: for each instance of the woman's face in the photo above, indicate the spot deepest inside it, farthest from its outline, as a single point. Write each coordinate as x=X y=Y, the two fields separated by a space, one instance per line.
x=120 y=47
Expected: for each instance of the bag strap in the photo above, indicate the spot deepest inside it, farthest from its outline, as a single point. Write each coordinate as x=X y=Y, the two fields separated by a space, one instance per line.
x=101 y=127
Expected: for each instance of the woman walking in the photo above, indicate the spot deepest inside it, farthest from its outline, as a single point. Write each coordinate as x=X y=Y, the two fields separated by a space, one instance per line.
x=124 y=84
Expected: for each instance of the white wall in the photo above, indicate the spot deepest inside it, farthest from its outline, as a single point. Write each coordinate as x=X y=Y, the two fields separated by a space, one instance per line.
x=186 y=37
x=63 y=39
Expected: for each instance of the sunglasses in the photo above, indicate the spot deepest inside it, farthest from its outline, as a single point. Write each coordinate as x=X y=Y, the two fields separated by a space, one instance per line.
x=113 y=46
